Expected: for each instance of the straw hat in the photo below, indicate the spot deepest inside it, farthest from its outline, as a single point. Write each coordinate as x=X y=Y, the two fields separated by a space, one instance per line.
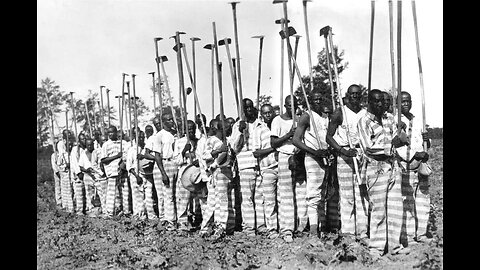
x=190 y=177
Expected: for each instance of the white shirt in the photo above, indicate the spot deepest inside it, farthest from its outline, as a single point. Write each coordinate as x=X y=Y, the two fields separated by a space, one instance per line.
x=280 y=127
x=163 y=144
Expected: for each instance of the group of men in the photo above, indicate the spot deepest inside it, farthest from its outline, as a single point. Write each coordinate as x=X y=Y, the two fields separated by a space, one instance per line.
x=302 y=173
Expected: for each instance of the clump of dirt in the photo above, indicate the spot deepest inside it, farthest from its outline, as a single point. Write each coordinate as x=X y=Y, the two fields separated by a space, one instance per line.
x=68 y=241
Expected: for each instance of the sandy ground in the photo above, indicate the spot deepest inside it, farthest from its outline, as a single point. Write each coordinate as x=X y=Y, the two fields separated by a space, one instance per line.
x=66 y=241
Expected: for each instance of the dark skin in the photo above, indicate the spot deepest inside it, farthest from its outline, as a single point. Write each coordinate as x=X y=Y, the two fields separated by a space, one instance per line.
x=304 y=123
x=148 y=131
x=191 y=128
x=89 y=149
x=406 y=106
x=354 y=98
x=215 y=126
x=112 y=135
x=250 y=115
x=141 y=143
x=267 y=114
x=276 y=141
x=168 y=125
x=388 y=102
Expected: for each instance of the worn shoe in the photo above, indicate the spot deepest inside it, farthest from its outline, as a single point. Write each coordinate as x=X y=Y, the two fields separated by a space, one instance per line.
x=400 y=251
x=272 y=235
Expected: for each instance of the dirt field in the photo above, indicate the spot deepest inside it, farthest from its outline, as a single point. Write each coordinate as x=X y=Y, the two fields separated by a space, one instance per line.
x=66 y=241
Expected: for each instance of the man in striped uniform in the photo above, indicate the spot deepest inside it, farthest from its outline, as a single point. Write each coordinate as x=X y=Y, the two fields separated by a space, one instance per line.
x=310 y=137
x=163 y=150
x=56 y=176
x=141 y=172
x=414 y=185
x=353 y=206
x=268 y=162
x=220 y=201
x=66 y=177
x=282 y=131
x=382 y=176
x=184 y=155
x=153 y=202
x=243 y=140
x=101 y=178
x=78 y=184
x=111 y=159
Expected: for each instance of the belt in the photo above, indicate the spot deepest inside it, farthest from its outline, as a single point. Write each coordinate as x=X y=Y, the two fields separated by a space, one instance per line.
x=167 y=159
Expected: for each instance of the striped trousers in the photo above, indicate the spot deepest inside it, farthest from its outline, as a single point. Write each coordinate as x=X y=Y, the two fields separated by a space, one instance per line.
x=90 y=194
x=349 y=192
x=113 y=191
x=182 y=199
x=333 y=211
x=138 y=195
x=168 y=192
x=384 y=191
x=416 y=205
x=300 y=204
x=101 y=185
x=248 y=179
x=79 y=195
x=126 y=194
x=58 y=190
x=316 y=206
x=160 y=190
x=285 y=196
x=269 y=188
x=67 y=192
x=148 y=195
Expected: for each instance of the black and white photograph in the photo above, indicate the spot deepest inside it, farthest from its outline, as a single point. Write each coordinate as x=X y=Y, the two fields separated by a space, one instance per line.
x=250 y=134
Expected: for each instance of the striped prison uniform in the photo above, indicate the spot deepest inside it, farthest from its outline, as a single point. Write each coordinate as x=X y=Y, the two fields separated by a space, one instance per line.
x=182 y=195
x=56 y=179
x=101 y=179
x=199 y=199
x=78 y=184
x=115 y=181
x=66 y=181
x=285 y=184
x=348 y=183
x=315 y=168
x=163 y=144
x=155 y=187
x=269 y=180
x=383 y=180
x=144 y=168
x=415 y=187
x=85 y=162
x=220 y=200
x=248 y=176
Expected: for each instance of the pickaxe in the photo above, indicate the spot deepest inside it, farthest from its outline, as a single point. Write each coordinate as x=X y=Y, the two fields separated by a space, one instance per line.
x=225 y=42
x=285 y=34
x=158 y=72
x=161 y=60
x=237 y=50
x=324 y=32
x=182 y=103
x=308 y=43
x=282 y=53
x=193 y=39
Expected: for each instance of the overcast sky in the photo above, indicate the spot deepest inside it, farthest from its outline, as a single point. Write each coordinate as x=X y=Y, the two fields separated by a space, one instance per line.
x=83 y=44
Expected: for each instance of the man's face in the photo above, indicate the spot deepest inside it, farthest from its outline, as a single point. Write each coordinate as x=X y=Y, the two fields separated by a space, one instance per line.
x=112 y=133
x=168 y=121
x=326 y=111
x=406 y=103
x=191 y=130
x=387 y=102
x=231 y=121
x=267 y=114
x=248 y=109
x=376 y=103
x=82 y=140
x=288 y=106
x=157 y=124
x=355 y=96
x=141 y=138
x=315 y=102
x=103 y=138
x=89 y=145
x=96 y=135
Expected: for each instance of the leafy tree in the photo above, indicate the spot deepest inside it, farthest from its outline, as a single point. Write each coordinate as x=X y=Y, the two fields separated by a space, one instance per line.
x=264 y=99
x=321 y=79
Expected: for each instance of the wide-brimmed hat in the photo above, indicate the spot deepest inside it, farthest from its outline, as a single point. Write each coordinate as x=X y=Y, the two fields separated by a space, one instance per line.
x=190 y=177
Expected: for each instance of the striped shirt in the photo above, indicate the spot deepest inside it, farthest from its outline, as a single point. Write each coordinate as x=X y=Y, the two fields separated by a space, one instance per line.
x=374 y=135
x=163 y=143
x=111 y=148
x=263 y=133
x=245 y=157
x=142 y=164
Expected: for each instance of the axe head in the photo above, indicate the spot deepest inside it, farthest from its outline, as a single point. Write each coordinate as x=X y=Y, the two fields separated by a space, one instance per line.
x=175 y=48
x=163 y=58
x=157 y=39
x=260 y=37
x=279 y=1
x=291 y=31
x=124 y=74
x=189 y=90
x=280 y=21
x=324 y=31
x=208 y=46
x=102 y=86
x=194 y=39
x=108 y=90
x=222 y=41
x=152 y=73
x=296 y=37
